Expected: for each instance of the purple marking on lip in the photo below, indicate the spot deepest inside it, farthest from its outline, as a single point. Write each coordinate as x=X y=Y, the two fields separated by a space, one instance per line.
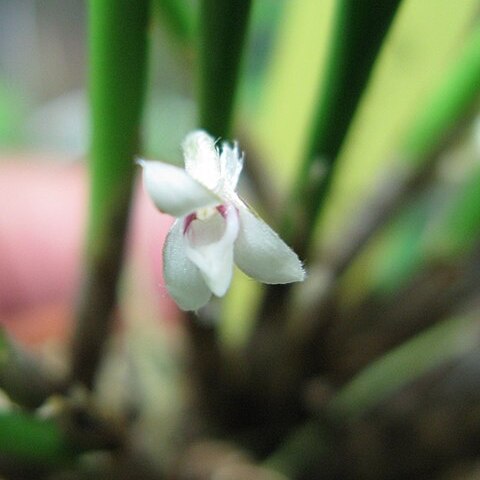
x=188 y=220
x=222 y=210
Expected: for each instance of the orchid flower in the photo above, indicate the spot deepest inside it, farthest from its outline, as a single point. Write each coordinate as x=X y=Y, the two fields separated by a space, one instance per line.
x=214 y=227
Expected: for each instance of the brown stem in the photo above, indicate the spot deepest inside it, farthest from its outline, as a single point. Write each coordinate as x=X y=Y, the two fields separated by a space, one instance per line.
x=374 y=328
x=95 y=309
x=429 y=427
x=204 y=369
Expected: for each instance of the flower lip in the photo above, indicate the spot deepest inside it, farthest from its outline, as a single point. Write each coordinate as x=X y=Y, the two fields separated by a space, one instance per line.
x=209 y=244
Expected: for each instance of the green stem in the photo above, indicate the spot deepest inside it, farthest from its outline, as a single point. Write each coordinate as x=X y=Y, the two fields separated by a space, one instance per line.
x=358 y=33
x=179 y=20
x=223 y=27
x=118 y=59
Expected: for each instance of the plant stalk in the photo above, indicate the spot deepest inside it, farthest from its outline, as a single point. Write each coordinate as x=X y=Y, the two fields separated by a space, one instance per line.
x=118 y=61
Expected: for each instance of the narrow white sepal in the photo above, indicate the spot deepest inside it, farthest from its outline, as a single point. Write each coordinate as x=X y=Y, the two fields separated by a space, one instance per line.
x=262 y=254
x=173 y=191
x=182 y=278
x=202 y=161
x=209 y=245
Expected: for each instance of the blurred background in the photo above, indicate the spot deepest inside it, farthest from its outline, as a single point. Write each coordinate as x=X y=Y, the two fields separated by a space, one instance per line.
x=419 y=270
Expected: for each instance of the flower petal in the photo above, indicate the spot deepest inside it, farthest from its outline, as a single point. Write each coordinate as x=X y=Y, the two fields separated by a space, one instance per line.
x=262 y=254
x=231 y=164
x=173 y=191
x=209 y=245
x=202 y=161
x=182 y=278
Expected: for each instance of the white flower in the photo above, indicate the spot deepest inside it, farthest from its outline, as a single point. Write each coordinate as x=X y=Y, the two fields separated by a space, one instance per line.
x=214 y=227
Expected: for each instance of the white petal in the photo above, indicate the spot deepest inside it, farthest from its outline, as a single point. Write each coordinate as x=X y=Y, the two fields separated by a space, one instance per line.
x=182 y=278
x=262 y=254
x=231 y=162
x=209 y=245
x=173 y=191
x=202 y=161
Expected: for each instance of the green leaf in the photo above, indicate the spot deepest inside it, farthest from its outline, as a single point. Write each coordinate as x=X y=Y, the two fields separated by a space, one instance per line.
x=450 y=102
x=460 y=226
x=393 y=251
x=32 y=440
